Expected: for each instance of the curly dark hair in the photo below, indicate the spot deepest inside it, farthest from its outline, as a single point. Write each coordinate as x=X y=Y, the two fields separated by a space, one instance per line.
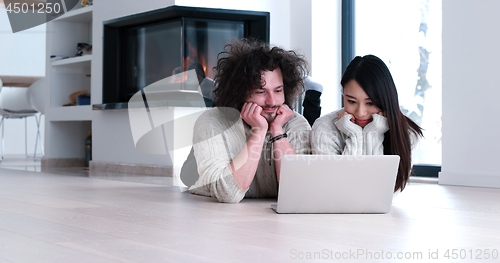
x=239 y=71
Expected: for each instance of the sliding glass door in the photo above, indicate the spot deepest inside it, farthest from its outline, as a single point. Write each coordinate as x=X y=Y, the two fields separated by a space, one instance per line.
x=406 y=35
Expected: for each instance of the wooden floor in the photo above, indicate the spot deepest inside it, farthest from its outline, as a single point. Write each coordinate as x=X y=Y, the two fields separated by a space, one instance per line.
x=56 y=217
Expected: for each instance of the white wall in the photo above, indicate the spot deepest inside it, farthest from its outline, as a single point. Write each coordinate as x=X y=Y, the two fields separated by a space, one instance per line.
x=300 y=27
x=21 y=54
x=16 y=49
x=326 y=51
x=470 y=91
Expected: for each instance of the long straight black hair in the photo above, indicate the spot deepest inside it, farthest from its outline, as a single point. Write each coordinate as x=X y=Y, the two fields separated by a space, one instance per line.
x=371 y=73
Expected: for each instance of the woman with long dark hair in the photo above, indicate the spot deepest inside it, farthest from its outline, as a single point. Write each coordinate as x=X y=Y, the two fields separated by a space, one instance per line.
x=371 y=122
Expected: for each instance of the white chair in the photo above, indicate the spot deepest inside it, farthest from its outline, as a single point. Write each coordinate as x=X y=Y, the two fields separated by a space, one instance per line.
x=35 y=95
x=14 y=105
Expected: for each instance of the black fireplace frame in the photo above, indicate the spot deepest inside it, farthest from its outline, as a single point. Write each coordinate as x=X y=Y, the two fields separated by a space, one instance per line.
x=257 y=25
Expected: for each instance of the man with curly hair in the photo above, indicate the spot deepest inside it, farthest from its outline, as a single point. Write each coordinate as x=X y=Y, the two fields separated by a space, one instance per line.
x=239 y=144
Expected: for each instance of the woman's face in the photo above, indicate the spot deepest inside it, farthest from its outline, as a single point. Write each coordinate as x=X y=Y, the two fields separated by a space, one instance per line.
x=358 y=104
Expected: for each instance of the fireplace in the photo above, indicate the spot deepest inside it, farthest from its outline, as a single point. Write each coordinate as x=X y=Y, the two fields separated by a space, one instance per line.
x=144 y=48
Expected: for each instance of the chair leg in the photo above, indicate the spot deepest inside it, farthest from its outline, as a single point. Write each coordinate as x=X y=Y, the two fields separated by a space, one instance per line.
x=26 y=136
x=3 y=133
x=36 y=140
x=38 y=135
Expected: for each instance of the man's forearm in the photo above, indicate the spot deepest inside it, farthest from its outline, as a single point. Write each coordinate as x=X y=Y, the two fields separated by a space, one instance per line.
x=244 y=166
x=280 y=148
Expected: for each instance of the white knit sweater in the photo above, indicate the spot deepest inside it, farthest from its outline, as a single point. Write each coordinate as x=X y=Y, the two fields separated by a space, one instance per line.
x=331 y=135
x=217 y=141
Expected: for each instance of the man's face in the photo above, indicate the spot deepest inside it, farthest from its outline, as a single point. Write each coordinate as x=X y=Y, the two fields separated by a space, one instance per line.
x=271 y=96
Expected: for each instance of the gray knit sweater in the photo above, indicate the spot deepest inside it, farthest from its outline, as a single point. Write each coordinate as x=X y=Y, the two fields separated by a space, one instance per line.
x=217 y=141
x=331 y=135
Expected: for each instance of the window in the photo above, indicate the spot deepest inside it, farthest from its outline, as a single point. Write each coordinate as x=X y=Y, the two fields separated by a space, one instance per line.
x=406 y=35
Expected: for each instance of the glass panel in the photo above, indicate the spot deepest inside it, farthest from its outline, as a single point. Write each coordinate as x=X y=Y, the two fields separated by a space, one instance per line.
x=153 y=52
x=205 y=39
x=150 y=53
x=406 y=35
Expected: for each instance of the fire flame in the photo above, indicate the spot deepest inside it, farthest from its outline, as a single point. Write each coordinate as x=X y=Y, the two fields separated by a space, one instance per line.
x=194 y=56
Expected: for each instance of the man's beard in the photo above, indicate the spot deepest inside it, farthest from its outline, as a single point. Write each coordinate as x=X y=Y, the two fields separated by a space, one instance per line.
x=269 y=116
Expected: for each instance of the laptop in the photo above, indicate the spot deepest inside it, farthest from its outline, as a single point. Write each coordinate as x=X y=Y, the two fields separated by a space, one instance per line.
x=354 y=184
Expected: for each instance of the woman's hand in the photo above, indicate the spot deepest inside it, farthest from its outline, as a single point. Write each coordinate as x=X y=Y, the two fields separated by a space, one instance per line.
x=343 y=113
x=379 y=124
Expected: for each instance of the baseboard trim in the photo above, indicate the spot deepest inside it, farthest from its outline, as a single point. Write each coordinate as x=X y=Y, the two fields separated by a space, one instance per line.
x=133 y=169
x=423 y=180
x=62 y=162
x=474 y=180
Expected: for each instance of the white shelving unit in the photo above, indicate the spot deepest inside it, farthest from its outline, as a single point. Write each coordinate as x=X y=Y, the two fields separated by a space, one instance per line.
x=70 y=113
x=80 y=15
x=67 y=126
x=83 y=61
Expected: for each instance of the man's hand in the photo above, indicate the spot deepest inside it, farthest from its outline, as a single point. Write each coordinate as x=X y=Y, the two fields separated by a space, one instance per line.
x=244 y=166
x=250 y=113
x=283 y=114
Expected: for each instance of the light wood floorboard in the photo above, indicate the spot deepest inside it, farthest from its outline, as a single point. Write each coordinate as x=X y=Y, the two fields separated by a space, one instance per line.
x=51 y=217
